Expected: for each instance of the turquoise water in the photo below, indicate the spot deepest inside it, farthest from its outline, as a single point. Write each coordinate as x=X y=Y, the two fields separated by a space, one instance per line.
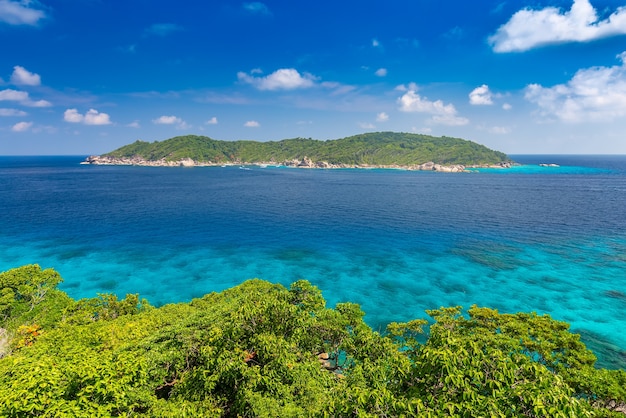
x=544 y=239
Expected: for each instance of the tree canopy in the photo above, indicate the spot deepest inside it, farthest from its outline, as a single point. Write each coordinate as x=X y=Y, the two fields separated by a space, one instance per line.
x=263 y=350
x=380 y=148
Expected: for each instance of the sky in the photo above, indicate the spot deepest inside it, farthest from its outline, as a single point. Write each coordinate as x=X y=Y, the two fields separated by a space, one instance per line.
x=83 y=77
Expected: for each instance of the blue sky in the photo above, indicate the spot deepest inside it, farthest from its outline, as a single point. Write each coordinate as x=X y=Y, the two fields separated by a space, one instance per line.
x=519 y=76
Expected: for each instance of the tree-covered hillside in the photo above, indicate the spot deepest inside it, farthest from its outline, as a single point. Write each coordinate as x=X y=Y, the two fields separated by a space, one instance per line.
x=382 y=148
x=262 y=350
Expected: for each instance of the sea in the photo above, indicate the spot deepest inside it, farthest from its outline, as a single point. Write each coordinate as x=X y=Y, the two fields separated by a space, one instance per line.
x=532 y=238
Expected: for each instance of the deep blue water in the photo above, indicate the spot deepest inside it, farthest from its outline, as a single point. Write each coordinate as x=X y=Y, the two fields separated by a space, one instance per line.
x=530 y=238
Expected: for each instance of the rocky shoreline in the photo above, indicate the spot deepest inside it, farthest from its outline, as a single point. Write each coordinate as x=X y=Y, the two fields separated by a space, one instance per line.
x=303 y=163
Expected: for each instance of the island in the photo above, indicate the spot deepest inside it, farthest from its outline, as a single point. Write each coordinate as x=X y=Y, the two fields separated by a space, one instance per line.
x=370 y=150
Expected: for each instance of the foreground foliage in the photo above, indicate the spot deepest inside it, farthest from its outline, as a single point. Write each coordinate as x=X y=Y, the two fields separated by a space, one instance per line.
x=262 y=350
x=380 y=148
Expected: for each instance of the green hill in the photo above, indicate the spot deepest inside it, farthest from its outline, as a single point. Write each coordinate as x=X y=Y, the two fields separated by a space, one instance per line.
x=380 y=148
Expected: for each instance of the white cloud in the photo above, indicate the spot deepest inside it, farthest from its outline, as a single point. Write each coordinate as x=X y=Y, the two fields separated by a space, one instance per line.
x=21 y=76
x=19 y=13
x=167 y=120
x=212 y=121
x=481 y=96
x=257 y=8
x=92 y=117
x=252 y=124
x=22 y=98
x=507 y=106
x=21 y=126
x=382 y=117
x=72 y=116
x=171 y=120
x=381 y=72
x=596 y=94
x=529 y=29
x=134 y=124
x=12 y=112
x=402 y=87
x=444 y=114
x=283 y=79
x=375 y=43
x=367 y=125
x=38 y=103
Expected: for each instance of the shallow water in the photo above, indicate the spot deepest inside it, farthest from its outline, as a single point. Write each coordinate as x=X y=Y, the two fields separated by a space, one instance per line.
x=545 y=239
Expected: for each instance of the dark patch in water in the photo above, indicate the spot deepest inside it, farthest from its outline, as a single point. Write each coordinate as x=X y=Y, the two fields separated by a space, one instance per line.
x=293 y=255
x=70 y=254
x=616 y=294
x=107 y=284
x=71 y=285
x=495 y=261
x=610 y=356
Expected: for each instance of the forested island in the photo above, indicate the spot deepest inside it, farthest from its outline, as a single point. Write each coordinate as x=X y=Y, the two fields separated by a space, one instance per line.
x=371 y=150
x=263 y=350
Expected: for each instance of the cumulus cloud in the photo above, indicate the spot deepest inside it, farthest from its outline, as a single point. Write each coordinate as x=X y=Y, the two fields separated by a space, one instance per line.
x=92 y=117
x=257 y=8
x=529 y=28
x=72 y=116
x=507 y=106
x=445 y=114
x=12 y=112
x=282 y=79
x=21 y=76
x=13 y=95
x=212 y=121
x=21 y=126
x=171 y=120
x=252 y=124
x=596 y=94
x=22 y=98
x=481 y=96
x=381 y=72
x=38 y=103
x=382 y=117
x=20 y=12
x=167 y=120
x=161 y=29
